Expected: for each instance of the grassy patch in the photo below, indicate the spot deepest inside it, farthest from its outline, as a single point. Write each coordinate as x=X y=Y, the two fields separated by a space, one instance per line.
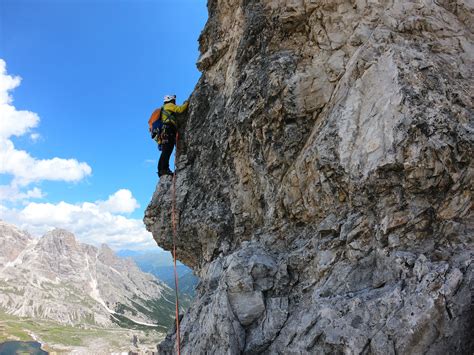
x=57 y=336
x=122 y=308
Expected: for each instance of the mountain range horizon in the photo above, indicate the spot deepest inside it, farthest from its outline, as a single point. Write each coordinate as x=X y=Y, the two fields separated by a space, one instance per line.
x=58 y=279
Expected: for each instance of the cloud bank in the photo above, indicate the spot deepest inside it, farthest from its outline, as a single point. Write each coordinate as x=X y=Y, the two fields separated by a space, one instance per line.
x=92 y=222
x=19 y=164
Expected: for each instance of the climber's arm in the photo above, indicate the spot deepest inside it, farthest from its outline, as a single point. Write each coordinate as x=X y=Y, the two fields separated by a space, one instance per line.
x=176 y=108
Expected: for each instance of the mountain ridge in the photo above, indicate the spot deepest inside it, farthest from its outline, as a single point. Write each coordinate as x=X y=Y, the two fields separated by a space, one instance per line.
x=160 y=264
x=57 y=278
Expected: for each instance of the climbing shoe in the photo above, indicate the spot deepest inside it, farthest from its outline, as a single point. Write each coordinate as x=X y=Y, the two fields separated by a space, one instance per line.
x=166 y=172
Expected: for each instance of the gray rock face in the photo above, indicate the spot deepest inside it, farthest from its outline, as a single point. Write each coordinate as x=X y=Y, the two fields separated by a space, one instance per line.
x=325 y=180
x=12 y=243
x=60 y=279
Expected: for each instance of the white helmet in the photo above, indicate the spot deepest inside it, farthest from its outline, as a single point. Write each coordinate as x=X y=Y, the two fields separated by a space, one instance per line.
x=169 y=98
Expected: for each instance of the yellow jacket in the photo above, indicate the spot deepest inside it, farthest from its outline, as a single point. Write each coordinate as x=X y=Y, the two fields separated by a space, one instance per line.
x=172 y=108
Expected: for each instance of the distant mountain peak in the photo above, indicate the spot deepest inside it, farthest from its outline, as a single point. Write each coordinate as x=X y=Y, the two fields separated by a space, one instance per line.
x=59 y=241
x=59 y=278
x=13 y=241
x=61 y=235
x=105 y=249
x=11 y=228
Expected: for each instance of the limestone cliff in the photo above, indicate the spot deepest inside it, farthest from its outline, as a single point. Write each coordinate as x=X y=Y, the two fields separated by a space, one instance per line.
x=325 y=179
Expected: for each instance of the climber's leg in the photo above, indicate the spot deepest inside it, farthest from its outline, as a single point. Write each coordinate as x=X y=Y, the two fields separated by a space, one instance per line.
x=166 y=150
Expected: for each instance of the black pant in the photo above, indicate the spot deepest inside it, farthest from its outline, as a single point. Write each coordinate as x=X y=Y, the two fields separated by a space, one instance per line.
x=168 y=143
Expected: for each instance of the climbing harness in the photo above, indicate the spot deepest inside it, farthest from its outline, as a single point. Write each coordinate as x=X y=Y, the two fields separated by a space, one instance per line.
x=168 y=117
x=173 y=217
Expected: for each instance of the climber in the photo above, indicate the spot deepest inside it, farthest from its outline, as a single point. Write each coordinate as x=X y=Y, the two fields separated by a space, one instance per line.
x=167 y=136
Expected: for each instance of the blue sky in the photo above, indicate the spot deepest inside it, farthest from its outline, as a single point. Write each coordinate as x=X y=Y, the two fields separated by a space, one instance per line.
x=92 y=71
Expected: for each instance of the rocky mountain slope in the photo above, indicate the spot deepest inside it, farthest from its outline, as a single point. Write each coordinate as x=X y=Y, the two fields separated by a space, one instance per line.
x=325 y=179
x=60 y=279
x=160 y=264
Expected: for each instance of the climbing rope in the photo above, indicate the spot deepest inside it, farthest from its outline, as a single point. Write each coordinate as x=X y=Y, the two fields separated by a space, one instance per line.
x=173 y=217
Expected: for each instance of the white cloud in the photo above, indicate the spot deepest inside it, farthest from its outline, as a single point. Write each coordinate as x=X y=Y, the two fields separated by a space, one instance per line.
x=27 y=169
x=93 y=223
x=14 y=122
x=7 y=83
x=35 y=136
x=24 y=168
x=120 y=202
x=12 y=193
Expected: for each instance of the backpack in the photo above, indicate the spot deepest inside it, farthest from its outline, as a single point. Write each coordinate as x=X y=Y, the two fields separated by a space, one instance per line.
x=155 y=124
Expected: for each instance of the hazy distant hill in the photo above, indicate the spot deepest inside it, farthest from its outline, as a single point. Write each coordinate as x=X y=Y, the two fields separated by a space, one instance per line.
x=160 y=264
x=57 y=278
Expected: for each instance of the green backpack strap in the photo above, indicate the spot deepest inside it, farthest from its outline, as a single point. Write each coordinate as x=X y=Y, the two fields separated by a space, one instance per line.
x=168 y=117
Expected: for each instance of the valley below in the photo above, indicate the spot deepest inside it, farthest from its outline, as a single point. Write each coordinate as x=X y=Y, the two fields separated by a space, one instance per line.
x=75 y=298
x=63 y=339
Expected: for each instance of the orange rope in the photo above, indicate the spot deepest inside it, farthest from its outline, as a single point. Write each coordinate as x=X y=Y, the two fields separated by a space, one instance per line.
x=173 y=212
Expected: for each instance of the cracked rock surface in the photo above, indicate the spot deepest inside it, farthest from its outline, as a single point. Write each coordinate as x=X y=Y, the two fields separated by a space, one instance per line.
x=325 y=180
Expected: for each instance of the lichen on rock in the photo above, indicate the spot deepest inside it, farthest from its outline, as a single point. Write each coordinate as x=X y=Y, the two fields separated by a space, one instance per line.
x=325 y=179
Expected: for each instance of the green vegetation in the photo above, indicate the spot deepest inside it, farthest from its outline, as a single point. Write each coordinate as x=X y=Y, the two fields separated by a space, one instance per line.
x=155 y=309
x=127 y=323
x=7 y=287
x=160 y=264
x=121 y=308
x=58 y=337
x=12 y=330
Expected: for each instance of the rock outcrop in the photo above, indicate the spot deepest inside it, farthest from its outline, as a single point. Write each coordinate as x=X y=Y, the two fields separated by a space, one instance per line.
x=325 y=179
x=57 y=278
